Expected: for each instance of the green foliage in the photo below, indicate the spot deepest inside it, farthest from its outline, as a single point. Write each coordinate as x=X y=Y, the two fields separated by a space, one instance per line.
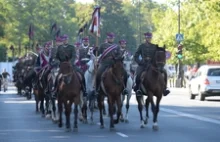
x=128 y=19
x=3 y=53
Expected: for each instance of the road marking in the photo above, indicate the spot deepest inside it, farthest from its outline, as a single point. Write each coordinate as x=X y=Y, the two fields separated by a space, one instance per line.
x=122 y=135
x=19 y=102
x=197 y=117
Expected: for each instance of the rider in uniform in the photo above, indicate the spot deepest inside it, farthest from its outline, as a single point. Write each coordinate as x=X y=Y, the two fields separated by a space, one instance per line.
x=83 y=54
x=65 y=53
x=122 y=44
x=146 y=51
x=106 y=58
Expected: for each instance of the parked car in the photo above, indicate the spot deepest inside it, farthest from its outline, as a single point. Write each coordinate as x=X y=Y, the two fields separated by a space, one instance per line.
x=206 y=82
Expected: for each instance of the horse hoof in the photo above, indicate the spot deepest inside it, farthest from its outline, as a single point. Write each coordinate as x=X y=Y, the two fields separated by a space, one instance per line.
x=102 y=127
x=43 y=115
x=68 y=129
x=116 y=122
x=75 y=129
x=112 y=129
x=92 y=123
x=142 y=126
x=126 y=121
x=145 y=122
x=122 y=120
x=48 y=116
x=155 y=128
x=60 y=125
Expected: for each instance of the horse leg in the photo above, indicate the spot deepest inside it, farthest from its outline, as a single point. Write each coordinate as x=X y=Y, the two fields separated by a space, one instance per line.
x=84 y=111
x=48 y=113
x=75 y=127
x=127 y=107
x=156 y=111
x=122 y=100
x=101 y=106
x=36 y=95
x=54 y=110
x=42 y=105
x=140 y=108
x=91 y=108
x=119 y=112
x=111 y=111
x=147 y=102
x=60 y=109
x=67 y=105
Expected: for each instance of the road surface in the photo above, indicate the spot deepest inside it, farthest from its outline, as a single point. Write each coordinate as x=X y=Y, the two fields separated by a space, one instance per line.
x=180 y=120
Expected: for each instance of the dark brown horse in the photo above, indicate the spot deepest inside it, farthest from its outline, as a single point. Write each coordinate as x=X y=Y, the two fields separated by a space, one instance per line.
x=69 y=92
x=152 y=84
x=112 y=86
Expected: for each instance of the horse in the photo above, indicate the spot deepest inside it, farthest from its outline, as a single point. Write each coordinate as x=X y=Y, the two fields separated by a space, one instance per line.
x=112 y=86
x=69 y=92
x=129 y=86
x=90 y=83
x=152 y=84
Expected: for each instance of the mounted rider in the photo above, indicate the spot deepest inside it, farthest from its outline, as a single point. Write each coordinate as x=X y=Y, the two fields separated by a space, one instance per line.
x=83 y=54
x=77 y=47
x=66 y=53
x=122 y=44
x=107 y=52
x=42 y=64
x=146 y=51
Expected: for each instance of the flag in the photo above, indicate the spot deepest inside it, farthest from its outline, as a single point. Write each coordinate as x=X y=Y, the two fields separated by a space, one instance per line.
x=95 y=24
x=31 y=32
x=85 y=26
x=80 y=31
x=54 y=26
x=58 y=33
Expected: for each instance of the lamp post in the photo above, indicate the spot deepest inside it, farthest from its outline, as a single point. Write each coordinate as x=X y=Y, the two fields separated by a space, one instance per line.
x=179 y=54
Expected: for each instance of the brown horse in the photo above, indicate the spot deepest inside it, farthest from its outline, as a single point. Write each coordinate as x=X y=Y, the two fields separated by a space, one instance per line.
x=112 y=86
x=69 y=92
x=152 y=84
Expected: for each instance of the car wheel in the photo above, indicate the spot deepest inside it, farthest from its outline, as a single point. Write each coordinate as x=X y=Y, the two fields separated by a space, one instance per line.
x=201 y=96
x=192 y=96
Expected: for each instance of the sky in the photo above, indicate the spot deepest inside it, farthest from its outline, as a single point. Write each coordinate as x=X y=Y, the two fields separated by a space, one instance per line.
x=90 y=1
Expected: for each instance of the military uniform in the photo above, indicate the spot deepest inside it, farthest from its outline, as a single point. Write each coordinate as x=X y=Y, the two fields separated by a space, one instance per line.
x=67 y=53
x=105 y=62
x=146 y=51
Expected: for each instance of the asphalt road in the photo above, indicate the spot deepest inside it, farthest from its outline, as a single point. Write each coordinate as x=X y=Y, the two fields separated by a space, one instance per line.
x=180 y=120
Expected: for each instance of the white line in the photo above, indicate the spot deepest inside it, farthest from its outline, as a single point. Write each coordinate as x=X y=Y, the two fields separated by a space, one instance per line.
x=122 y=135
x=205 y=119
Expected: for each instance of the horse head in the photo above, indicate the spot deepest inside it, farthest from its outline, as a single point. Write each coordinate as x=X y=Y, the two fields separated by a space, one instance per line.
x=160 y=58
x=66 y=70
x=118 y=66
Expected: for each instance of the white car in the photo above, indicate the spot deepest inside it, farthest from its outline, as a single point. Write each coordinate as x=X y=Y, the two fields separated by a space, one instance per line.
x=206 y=82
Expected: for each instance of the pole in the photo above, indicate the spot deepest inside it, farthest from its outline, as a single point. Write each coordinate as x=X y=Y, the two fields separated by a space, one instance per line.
x=179 y=69
x=139 y=19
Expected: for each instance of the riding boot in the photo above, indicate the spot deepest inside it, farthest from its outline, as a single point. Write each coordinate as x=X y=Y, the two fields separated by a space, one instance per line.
x=125 y=91
x=165 y=91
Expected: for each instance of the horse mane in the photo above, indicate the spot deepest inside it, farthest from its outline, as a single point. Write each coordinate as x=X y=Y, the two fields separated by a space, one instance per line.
x=161 y=48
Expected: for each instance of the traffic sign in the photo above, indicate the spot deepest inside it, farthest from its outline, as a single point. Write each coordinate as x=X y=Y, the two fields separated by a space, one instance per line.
x=168 y=55
x=179 y=37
